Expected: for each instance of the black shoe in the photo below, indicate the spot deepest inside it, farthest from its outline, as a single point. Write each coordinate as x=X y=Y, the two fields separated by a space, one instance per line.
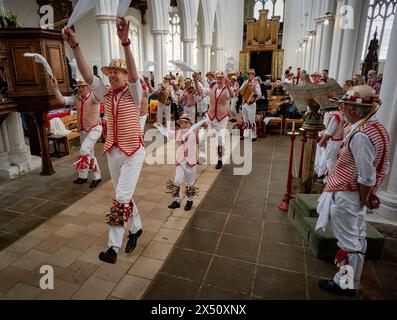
x=331 y=286
x=188 y=205
x=174 y=205
x=242 y=138
x=254 y=139
x=233 y=120
x=109 y=256
x=80 y=181
x=95 y=183
x=219 y=165
x=132 y=240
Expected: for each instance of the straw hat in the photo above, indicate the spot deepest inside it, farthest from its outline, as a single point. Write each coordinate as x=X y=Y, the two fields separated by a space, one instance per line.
x=167 y=77
x=184 y=117
x=251 y=71
x=210 y=74
x=81 y=83
x=233 y=78
x=118 y=64
x=362 y=95
x=220 y=74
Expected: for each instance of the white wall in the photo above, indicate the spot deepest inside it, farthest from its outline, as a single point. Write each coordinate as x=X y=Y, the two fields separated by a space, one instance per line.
x=27 y=12
x=293 y=32
x=233 y=43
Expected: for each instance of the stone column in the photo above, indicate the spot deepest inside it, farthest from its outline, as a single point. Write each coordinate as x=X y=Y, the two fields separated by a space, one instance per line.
x=326 y=43
x=188 y=54
x=19 y=153
x=313 y=51
x=160 y=55
x=387 y=114
x=109 y=42
x=206 y=58
x=319 y=50
x=219 y=58
x=349 y=34
x=306 y=53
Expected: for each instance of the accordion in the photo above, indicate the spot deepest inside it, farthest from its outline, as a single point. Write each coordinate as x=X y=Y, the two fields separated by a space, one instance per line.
x=247 y=92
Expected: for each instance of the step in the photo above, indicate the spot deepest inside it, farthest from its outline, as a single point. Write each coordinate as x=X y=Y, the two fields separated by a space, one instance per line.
x=309 y=203
x=323 y=243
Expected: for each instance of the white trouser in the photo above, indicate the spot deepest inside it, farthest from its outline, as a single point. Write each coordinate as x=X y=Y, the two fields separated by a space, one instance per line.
x=249 y=112
x=202 y=109
x=331 y=154
x=191 y=112
x=161 y=109
x=87 y=141
x=348 y=224
x=202 y=136
x=183 y=174
x=125 y=172
x=233 y=102
x=142 y=122
x=220 y=130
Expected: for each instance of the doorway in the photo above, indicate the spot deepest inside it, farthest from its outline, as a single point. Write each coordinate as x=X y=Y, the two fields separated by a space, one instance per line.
x=261 y=61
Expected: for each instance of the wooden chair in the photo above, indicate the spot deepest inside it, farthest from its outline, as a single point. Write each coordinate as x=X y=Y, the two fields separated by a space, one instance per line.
x=70 y=123
x=289 y=122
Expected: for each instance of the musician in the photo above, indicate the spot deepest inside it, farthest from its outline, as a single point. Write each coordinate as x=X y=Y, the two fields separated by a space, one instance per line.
x=164 y=91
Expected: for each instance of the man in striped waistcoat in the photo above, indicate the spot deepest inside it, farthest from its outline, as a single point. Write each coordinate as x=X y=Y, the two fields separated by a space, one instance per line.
x=124 y=144
x=351 y=188
x=89 y=125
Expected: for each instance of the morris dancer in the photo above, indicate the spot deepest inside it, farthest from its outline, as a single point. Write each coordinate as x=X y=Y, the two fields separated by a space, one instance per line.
x=219 y=109
x=124 y=146
x=186 y=155
x=233 y=101
x=351 y=188
x=164 y=92
x=147 y=91
x=189 y=103
x=89 y=125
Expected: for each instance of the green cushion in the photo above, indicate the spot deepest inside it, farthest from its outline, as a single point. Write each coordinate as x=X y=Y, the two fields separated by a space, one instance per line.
x=323 y=243
x=308 y=202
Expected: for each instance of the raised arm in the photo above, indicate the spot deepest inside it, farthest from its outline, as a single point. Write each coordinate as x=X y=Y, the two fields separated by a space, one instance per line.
x=58 y=94
x=123 y=28
x=70 y=37
x=197 y=85
x=166 y=132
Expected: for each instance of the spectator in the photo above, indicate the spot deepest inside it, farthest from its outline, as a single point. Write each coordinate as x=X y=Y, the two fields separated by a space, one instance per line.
x=324 y=77
x=278 y=89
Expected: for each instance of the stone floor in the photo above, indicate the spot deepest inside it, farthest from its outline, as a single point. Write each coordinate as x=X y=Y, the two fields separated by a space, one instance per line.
x=235 y=245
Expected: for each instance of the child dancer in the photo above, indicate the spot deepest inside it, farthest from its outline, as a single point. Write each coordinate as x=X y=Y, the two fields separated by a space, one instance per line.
x=186 y=147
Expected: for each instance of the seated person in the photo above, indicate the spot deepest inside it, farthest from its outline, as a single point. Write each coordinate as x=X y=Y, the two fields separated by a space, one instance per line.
x=278 y=89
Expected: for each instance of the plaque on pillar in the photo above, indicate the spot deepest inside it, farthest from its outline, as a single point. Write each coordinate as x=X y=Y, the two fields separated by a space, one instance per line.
x=28 y=83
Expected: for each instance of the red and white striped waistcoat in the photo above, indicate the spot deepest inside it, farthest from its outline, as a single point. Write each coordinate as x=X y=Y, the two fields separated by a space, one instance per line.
x=123 y=128
x=88 y=113
x=236 y=88
x=344 y=176
x=186 y=151
x=219 y=106
x=339 y=132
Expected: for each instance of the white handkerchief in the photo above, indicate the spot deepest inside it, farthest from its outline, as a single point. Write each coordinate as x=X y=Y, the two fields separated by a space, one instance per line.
x=81 y=8
x=123 y=7
x=40 y=59
x=324 y=210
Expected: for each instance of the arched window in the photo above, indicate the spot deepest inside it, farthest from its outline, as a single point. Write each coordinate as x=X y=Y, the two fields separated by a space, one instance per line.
x=380 y=20
x=174 y=45
x=275 y=7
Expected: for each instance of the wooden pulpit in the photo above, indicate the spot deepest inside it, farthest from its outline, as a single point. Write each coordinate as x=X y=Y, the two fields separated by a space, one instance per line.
x=29 y=84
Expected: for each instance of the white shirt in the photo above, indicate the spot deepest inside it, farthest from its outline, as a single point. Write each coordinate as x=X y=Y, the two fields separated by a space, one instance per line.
x=331 y=126
x=364 y=155
x=71 y=100
x=99 y=89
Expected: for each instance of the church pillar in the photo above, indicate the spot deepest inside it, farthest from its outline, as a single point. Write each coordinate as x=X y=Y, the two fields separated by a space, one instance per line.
x=349 y=34
x=313 y=51
x=326 y=43
x=160 y=55
x=19 y=152
x=387 y=114
x=206 y=58
x=109 y=42
x=318 y=51
x=188 y=54
x=219 y=54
